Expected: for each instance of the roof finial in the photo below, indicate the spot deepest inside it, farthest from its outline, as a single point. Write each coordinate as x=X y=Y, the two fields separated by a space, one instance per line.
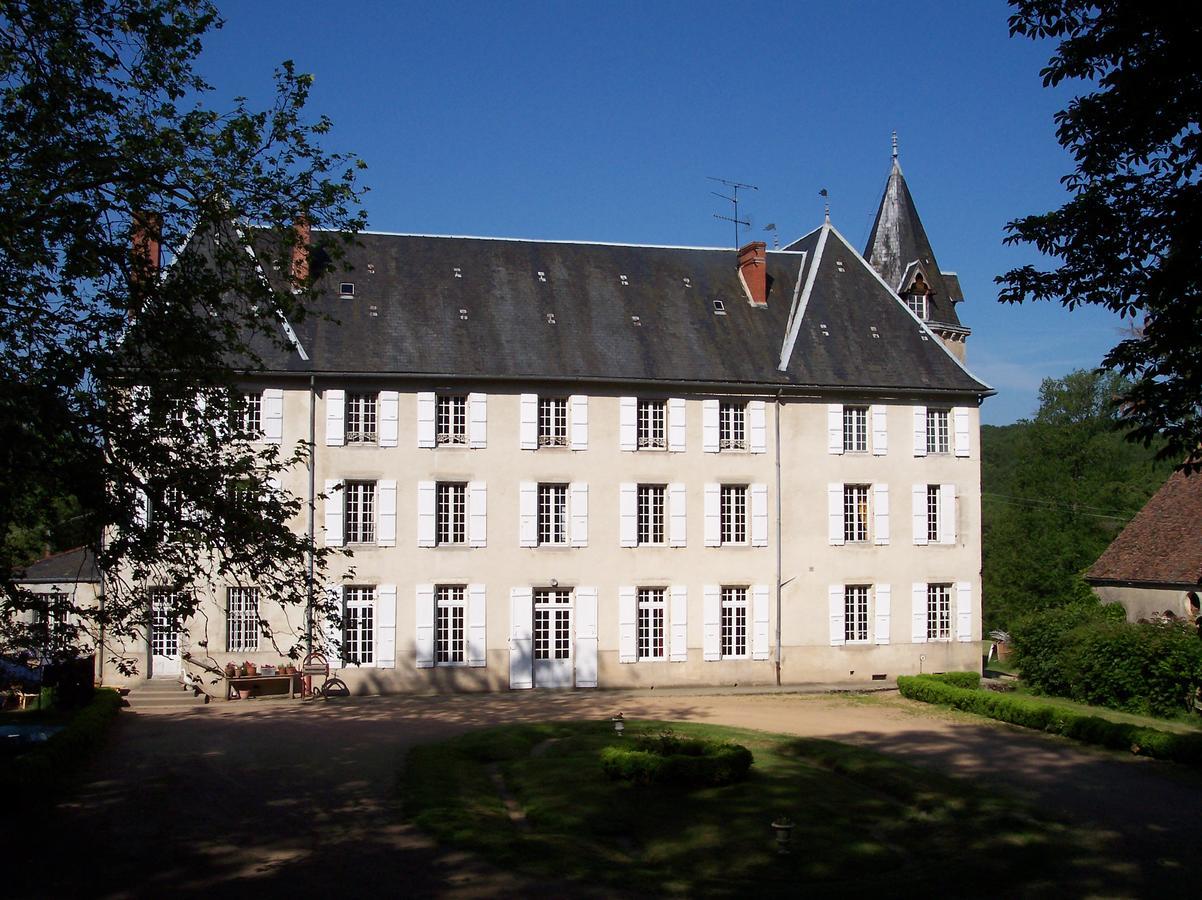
x=825 y=194
x=895 y=145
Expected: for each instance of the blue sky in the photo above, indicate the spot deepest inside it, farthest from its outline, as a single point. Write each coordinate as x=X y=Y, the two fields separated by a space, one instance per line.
x=602 y=122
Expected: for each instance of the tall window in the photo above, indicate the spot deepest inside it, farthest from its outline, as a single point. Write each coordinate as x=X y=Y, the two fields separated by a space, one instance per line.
x=165 y=605
x=242 y=619
x=939 y=612
x=937 y=435
x=552 y=623
x=651 y=513
x=448 y=625
x=732 y=426
x=252 y=413
x=361 y=418
x=552 y=421
x=359 y=626
x=733 y=512
x=855 y=512
x=734 y=622
x=50 y=621
x=651 y=623
x=651 y=432
x=932 y=512
x=360 y=500
x=855 y=429
x=451 y=518
x=552 y=513
x=450 y=419
x=917 y=303
x=855 y=615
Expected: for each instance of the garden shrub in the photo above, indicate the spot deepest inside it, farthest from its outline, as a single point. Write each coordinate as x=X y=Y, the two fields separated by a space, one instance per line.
x=967 y=680
x=1040 y=639
x=670 y=759
x=1031 y=713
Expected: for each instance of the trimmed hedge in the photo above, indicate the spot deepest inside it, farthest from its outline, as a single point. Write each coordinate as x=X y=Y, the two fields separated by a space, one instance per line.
x=668 y=759
x=970 y=681
x=44 y=768
x=1030 y=713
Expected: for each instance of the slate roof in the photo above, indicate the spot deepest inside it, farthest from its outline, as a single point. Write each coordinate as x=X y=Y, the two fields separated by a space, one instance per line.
x=70 y=566
x=1162 y=545
x=479 y=307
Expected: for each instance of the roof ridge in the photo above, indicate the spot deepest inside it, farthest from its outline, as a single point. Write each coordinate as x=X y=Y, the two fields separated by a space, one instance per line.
x=521 y=240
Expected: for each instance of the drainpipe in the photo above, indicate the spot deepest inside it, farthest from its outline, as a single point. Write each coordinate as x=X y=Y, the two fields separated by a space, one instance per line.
x=779 y=586
x=312 y=512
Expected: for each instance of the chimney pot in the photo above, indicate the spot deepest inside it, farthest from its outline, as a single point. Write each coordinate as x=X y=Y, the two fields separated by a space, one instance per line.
x=753 y=271
x=300 y=250
x=146 y=236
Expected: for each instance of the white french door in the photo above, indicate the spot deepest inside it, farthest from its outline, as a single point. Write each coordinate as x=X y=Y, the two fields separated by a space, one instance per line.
x=553 y=638
x=164 y=640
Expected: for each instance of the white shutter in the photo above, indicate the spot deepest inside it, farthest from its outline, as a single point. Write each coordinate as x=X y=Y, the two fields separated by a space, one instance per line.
x=628 y=429
x=918 y=612
x=919 y=514
x=920 y=431
x=335 y=417
x=964 y=615
x=628 y=519
x=677 y=517
x=761 y=619
x=586 y=637
x=578 y=508
x=521 y=638
x=272 y=410
x=834 y=428
x=880 y=513
x=528 y=514
x=477 y=506
x=390 y=413
x=709 y=426
x=757 y=426
x=960 y=418
x=883 y=601
x=880 y=430
x=677 y=435
x=426 y=500
x=713 y=515
x=528 y=423
x=759 y=515
x=425 y=419
x=947 y=514
x=837 y=598
x=477 y=609
x=627 y=628
x=477 y=413
x=679 y=625
x=423 y=626
x=386 y=626
x=333 y=502
x=386 y=530
x=834 y=508
x=333 y=630
x=578 y=417
x=712 y=622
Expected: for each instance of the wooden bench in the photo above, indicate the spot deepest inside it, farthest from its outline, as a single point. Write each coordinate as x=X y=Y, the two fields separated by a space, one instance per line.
x=247 y=682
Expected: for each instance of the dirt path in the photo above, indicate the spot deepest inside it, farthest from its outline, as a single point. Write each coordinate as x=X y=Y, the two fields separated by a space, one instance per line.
x=281 y=798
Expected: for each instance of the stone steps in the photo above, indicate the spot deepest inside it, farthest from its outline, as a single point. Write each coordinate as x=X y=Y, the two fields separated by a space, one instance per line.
x=164 y=694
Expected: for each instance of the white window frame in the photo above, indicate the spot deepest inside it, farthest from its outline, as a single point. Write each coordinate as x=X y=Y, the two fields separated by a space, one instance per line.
x=733 y=634
x=241 y=619
x=359 y=622
x=939 y=612
x=855 y=429
x=857 y=513
x=734 y=515
x=450 y=625
x=933 y=514
x=857 y=614
x=553 y=526
x=359 y=512
x=450 y=420
x=362 y=417
x=732 y=426
x=939 y=441
x=917 y=304
x=548 y=601
x=252 y=414
x=450 y=514
x=552 y=422
x=652 y=624
x=652 y=425
x=652 y=523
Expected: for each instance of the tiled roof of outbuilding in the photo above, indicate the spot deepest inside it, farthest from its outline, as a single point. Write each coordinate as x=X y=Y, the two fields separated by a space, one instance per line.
x=70 y=566
x=1162 y=545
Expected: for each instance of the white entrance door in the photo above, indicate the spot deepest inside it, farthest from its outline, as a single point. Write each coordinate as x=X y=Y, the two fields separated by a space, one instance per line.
x=553 y=638
x=164 y=641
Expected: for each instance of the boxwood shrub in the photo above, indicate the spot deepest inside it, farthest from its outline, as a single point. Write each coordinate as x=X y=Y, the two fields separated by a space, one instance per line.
x=1032 y=713
x=669 y=759
x=967 y=680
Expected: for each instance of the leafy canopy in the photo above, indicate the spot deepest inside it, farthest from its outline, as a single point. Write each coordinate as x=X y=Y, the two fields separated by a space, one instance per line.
x=118 y=382
x=1130 y=237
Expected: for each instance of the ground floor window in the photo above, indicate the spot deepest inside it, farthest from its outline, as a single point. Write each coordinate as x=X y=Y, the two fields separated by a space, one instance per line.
x=855 y=613
x=359 y=626
x=448 y=625
x=552 y=624
x=242 y=619
x=734 y=622
x=650 y=623
x=939 y=612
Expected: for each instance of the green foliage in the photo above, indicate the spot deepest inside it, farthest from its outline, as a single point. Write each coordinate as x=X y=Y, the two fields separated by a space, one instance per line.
x=967 y=680
x=1128 y=239
x=667 y=758
x=1055 y=492
x=1040 y=641
x=1032 y=713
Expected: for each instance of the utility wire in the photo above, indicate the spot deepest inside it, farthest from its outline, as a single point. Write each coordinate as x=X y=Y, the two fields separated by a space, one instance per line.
x=1074 y=507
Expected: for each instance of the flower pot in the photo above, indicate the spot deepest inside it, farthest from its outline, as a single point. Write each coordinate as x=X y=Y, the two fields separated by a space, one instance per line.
x=243 y=693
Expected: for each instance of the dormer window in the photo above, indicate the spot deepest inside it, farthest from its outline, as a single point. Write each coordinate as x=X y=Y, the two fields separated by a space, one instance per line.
x=916 y=297
x=346 y=290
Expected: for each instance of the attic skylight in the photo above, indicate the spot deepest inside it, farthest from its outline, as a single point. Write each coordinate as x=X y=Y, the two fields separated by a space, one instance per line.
x=542 y=276
x=636 y=320
x=688 y=282
x=719 y=308
x=623 y=279
x=346 y=289
x=458 y=272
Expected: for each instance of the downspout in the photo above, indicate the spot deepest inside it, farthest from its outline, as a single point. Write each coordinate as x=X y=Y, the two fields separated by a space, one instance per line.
x=312 y=512
x=779 y=586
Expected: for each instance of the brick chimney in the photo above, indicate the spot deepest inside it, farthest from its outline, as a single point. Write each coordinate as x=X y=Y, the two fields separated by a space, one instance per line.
x=300 y=250
x=146 y=236
x=753 y=272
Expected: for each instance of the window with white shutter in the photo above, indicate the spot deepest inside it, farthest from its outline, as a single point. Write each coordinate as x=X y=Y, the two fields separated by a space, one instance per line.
x=652 y=624
x=450 y=625
x=360 y=416
x=855 y=429
x=678 y=518
x=834 y=428
x=628 y=514
x=477 y=608
x=359 y=511
x=386 y=626
x=386 y=532
x=761 y=621
x=552 y=421
x=652 y=427
x=477 y=504
x=578 y=491
x=880 y=514
x=333 y=508
x=359 y=626
x=477 y=404
x=855 y=614
x=880 y=431
x=680 y=623
x=677 y=434
x=273 y=415
x=578 y=414
x=759 y=515
x=528 y=422
x=939 y=612
x=713 y=515
x=628 y=412
x=423 y=631
x=883 y=601
x=964 y=611
x=427 y=514
x=426 y=404
x=960 y=416
x=627 y=624
x=711 y=610
x=335 y=413
x=757 y=427
x=390 y=403
x=710 y=441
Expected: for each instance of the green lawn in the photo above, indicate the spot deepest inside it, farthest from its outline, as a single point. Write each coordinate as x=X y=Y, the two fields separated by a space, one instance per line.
x=1184 y=723
x=865 y=823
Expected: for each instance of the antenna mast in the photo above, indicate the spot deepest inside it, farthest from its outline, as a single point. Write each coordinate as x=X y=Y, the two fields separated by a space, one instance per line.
x=733 y=199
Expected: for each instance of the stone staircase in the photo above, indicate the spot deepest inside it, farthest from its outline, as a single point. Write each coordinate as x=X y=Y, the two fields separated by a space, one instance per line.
x=164 y=695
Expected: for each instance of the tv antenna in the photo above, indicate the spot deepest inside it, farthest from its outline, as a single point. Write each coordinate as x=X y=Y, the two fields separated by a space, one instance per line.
x=734 y=200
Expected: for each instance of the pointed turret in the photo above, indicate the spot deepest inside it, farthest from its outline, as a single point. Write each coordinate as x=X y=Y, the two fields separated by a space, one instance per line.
x=898 y=248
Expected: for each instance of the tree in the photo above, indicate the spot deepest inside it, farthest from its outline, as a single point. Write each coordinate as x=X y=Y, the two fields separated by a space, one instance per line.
x=1130 y=239
x=118 y=380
